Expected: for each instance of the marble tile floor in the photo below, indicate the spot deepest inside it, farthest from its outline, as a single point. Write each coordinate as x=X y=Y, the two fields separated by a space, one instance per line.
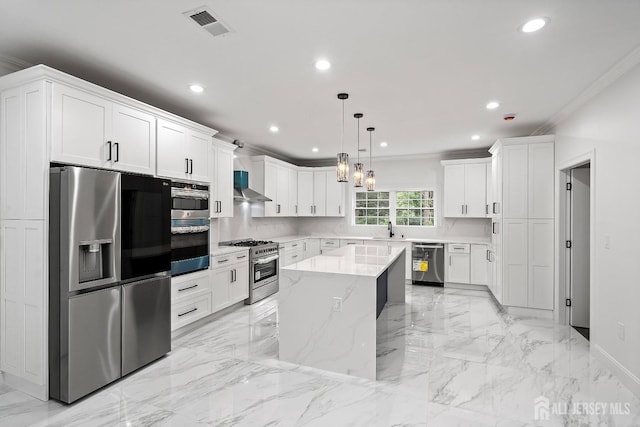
x=446 y=358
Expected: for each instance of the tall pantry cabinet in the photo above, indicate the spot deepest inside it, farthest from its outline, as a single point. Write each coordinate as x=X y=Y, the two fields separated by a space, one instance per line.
x=523 y=222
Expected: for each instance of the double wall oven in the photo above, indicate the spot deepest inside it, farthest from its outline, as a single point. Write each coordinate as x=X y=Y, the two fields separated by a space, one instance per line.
x=190 y=226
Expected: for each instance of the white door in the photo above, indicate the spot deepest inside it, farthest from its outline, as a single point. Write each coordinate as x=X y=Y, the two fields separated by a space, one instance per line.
x=475 y=188
x=335 y=195
x=454 y=191
x=240 y=285
x=80 y=126
x=514 y=181
x=541 y=180
x=458 y=268
x=293 y=192
x=305 y=193
x=220 y=281
x=514 y=262
x=271 y=189
x=580 y=246
x=172 y=151
x=223 y=171
x=134 y=140
x=540 y=252
x=199 y=146
x=283 y=192
x=489 y=190
x=478 y=274
x=320 y=193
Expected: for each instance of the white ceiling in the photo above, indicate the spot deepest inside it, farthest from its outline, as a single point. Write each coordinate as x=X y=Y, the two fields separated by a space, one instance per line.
x=421 y=71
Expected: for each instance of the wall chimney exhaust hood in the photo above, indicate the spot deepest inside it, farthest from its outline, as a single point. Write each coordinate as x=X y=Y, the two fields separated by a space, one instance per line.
x=241 y=189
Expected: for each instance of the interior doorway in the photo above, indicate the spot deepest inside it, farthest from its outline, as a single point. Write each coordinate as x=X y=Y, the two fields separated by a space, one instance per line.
x=578 y=247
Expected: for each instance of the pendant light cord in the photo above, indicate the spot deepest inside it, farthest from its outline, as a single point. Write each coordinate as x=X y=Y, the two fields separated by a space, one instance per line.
x=370 y=162
x=358 y=139
x=342 y=148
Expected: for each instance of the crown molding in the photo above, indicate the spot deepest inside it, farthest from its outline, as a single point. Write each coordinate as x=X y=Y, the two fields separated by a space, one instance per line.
x=11 y=64
x=619 y=69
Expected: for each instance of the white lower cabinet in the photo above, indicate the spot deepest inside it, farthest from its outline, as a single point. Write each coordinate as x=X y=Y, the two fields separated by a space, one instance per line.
x=329 y=245
x=478 y=265
x=190 y=298
x=292 y=252
x=515 y=232
x=466 y=263
x=311 y=247
x=229 y=279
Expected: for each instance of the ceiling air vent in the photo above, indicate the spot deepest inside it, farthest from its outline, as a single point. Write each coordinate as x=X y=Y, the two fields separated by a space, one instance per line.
x=205 y=19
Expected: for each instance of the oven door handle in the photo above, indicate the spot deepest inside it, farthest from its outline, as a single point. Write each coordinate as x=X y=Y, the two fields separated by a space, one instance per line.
x=266 y=260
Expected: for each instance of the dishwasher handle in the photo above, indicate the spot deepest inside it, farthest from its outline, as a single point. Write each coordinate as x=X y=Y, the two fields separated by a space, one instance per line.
x=429 y=246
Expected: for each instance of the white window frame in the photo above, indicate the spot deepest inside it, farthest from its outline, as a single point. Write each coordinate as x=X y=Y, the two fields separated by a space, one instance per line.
x=393 y=206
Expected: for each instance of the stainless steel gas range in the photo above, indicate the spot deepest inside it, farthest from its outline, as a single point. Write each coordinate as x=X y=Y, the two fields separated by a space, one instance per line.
x=263 y=267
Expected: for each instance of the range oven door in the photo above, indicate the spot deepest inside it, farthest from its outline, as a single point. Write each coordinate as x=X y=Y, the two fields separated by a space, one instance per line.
x=145 y=226
x=264 y=271
x=189 y=245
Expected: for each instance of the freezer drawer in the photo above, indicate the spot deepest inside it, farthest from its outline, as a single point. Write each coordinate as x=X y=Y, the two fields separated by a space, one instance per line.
x=93 y=344
x=146 y=322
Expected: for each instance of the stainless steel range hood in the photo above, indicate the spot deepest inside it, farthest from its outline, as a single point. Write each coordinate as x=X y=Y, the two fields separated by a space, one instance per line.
x=241 y=189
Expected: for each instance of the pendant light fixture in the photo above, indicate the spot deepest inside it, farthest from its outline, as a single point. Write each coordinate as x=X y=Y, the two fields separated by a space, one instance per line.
x=342 y=167
x=371 y=175
x=358 y=168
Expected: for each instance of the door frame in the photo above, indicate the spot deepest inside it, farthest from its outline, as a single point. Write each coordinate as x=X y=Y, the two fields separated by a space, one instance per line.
x=563 y=171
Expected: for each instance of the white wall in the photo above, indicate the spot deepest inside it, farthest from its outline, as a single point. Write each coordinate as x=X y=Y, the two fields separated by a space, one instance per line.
x=610 y=124
x=397 y=174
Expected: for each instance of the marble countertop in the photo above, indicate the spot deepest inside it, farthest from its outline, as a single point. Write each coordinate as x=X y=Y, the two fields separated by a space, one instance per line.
x=223 y=250
x=357 y=260
x=462 y=239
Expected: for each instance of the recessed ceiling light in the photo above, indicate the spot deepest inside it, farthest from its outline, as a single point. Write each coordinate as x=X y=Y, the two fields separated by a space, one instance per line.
x=534 y=25
x=323 y=64
x=383 y=144
x=235 y=157
x=274 y=129
x=475 y=137
x=314 y=149
x=493 y=105
x=196 y=88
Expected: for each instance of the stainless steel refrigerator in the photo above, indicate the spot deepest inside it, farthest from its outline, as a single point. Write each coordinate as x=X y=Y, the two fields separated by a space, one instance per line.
x=100 y=327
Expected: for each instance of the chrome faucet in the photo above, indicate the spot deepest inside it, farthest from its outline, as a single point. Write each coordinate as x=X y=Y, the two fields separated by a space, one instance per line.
x=390 y=228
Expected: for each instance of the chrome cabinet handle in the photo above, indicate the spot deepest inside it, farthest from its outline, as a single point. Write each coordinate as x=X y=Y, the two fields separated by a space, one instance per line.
x=294 y=245
x=305 y=246
x=187 y=312
x=296 y=209
x=487 y=256
x=187 y=288
x=191 y=165
x=117 y=147
x=240 y=257
x=109 y=143
x=220 y=261
x=449 y=259
x=486 y=209
x=278 y=208
x=340 y=209
x=186 y=161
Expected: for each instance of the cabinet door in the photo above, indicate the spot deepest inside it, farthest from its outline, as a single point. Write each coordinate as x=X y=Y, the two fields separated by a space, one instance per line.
x=311 y=247
x=320 y=193
x=454 y=191
x=223 y=178
x=491 y=284
x=271 y=189
x=293 y=192
x=282 y=209
x=475 y=187
x=305 y=193
x=172 y=152
x=540 y=292
x=335 y=195
x=23 y=152
x=23 y=285
x=489 y=190
x=134 y=140
x=496 y=183
x=496 y=258
x=199 y=145
x=515 y=261
x=220 y=281
x=478 y=274
x=240 y=286
x=514 y=179
x=458 y=268
x=541 y=180
x=80 y=126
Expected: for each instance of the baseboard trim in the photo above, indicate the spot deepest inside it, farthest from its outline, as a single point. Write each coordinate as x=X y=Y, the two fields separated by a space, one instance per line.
x=466 y=286
x=40 y=392
x=529 y=312
x=627 y=377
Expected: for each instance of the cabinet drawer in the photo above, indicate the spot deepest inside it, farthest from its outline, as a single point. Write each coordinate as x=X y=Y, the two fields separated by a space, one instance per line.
x=295 y=245
x=293 y=257
x=190 y=310
x=456 y=248
x=189 y=284
x=329 y=243
x=228 y=259
x=345 y=242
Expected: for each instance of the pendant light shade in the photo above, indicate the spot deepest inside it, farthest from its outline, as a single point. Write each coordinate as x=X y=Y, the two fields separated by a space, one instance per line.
x=358 y=168
x=342 y=168
x=371 y=175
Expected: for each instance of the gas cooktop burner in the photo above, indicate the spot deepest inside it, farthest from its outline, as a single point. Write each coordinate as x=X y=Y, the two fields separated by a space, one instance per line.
x=253 y=243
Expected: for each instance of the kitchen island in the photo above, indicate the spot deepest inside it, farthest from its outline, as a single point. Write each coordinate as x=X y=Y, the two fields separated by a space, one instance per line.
x=328 y=306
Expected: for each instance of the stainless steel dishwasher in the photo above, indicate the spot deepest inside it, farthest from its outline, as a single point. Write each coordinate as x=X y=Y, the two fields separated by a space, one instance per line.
x=427 y=264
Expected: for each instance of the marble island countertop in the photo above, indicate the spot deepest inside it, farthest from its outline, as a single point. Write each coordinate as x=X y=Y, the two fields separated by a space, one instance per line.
x=223 y=250
x=462 y=239
x=357 y=260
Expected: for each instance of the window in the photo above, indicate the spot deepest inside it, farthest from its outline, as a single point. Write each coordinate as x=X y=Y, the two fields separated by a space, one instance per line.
x=406 y=208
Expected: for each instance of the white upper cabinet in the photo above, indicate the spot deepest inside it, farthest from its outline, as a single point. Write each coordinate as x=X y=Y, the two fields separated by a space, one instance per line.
x=183 y=153
x=293 y=192
x=541 y=180
x=305 y=192
x=80 y=125
x=89 y=130
x=335 y=195
x=221 y=203
x=271 y=177
x=465 y=188
x=514 y=181
x=319 y=193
